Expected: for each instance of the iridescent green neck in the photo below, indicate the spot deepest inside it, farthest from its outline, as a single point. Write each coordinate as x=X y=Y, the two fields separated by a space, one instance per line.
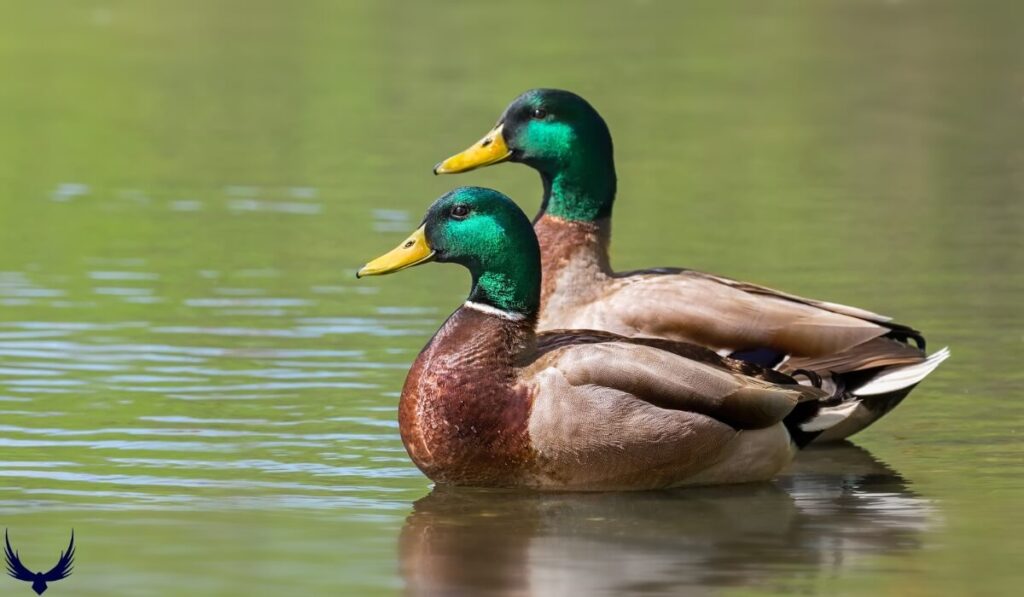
x=508 y=291
x=584 y=191
x=485 y=232
x=502 y=255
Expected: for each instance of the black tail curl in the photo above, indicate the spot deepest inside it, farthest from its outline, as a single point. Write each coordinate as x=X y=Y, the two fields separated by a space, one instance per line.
x=905 y=335
x=811 y=376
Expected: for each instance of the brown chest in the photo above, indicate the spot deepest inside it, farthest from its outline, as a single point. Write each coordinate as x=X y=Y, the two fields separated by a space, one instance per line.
x=462 y=416
x=574 y=261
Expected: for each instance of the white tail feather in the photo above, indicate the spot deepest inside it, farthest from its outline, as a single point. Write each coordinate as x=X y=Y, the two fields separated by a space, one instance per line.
x=898 y=378
x=830 y=416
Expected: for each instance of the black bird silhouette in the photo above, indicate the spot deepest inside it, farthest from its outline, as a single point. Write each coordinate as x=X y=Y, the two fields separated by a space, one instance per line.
x=39 y=579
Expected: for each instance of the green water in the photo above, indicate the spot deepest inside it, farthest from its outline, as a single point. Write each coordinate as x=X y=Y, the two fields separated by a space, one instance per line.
x=191 y=377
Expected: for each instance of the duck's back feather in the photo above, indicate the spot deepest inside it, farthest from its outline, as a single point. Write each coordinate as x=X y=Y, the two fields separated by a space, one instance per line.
x=668 y=380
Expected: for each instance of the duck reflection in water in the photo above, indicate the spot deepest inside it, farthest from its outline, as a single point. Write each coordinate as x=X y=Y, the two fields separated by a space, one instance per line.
x=835 y=504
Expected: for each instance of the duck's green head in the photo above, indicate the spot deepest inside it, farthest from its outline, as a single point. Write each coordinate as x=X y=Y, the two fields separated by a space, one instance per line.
x=561 y=136
x=485 y=232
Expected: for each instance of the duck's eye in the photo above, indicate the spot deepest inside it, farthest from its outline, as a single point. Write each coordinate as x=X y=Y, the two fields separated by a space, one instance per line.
x=539 y=113
x=459 y=212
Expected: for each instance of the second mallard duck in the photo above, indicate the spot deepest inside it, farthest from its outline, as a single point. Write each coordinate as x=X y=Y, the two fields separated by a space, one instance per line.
x=563 y=137
x=488 y=402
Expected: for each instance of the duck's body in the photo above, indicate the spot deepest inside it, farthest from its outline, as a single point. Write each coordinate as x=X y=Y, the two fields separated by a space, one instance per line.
x=563 y=137
x=844 y=345
x=485 y=404
x=580 y=290
x=488 y=402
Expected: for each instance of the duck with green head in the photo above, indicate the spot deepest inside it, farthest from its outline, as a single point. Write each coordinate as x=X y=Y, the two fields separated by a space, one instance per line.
x=561 y=136
x=489 y=402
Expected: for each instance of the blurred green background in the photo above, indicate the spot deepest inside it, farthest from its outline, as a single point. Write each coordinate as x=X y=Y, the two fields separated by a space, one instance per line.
x=191 y=377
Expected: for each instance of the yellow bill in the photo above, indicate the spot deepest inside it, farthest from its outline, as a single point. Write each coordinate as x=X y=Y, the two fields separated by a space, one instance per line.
x=489 y=150
x=413 y=251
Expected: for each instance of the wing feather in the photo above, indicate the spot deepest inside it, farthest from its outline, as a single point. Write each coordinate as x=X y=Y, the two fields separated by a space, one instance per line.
x=873 y=354
x=667 y=380
x=724 y=315
x=710 y=312
x=841 y=309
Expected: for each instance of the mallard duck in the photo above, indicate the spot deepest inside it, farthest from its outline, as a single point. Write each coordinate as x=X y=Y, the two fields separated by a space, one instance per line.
x=563 y=137
x=488 y=402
